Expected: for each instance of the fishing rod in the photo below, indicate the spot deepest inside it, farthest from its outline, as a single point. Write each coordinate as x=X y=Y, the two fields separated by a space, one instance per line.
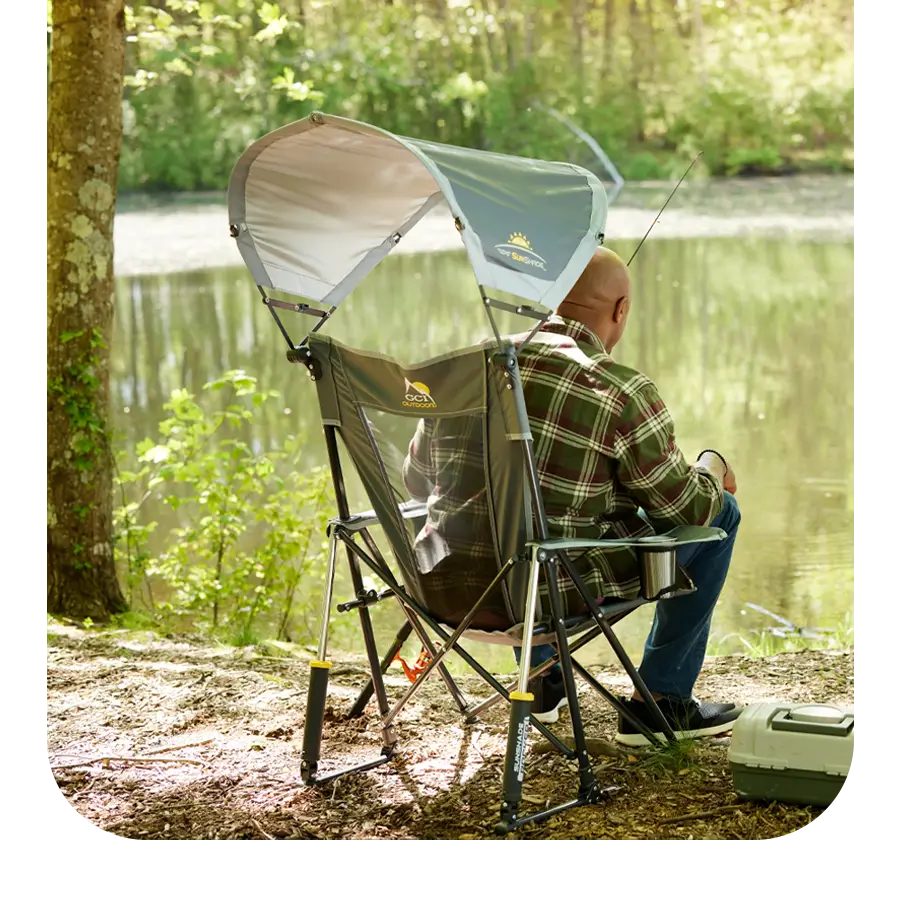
x=644 y=238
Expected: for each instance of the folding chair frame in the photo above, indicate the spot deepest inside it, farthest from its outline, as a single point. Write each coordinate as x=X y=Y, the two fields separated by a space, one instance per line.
x=542 y=553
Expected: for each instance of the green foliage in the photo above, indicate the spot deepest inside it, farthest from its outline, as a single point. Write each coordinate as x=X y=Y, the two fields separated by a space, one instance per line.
x=759 y=644
x=744 y=160
x=77 y=390
x=245 y=536
x=674 y=757
x=134 y=620
x=759 y=87
x=644 y=167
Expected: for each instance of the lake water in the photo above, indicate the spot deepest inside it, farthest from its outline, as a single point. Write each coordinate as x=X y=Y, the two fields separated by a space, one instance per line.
x=748 y=337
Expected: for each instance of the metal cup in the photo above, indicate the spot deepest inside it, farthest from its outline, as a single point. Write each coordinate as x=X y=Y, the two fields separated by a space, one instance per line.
x=658 y=568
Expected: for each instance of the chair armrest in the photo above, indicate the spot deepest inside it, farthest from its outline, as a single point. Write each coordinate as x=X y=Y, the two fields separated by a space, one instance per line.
x=409 y=509
x=682 y=534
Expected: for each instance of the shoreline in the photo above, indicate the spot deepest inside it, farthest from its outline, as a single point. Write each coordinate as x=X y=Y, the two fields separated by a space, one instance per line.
x=204 y=242
x=172 y=237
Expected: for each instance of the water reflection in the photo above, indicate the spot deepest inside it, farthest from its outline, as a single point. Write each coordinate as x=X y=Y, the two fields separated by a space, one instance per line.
x=750 y=342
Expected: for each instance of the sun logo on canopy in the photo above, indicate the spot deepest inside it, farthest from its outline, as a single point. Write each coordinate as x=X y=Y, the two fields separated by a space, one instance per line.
x=519 y=250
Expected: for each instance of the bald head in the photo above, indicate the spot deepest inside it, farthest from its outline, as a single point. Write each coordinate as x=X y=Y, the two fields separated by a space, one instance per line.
x=600 y=299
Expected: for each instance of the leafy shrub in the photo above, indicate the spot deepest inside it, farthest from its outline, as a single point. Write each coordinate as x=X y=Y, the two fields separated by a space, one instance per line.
x=246 y=538
x=644 y=167
x=753 y=161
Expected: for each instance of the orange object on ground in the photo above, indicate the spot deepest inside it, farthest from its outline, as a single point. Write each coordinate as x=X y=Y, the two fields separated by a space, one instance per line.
x=413 y=671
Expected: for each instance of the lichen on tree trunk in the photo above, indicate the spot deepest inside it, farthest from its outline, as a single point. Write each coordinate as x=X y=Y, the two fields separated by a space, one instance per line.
x=84 y=136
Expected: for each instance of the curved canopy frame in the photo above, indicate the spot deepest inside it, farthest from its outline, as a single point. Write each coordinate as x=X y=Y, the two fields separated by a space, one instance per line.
x=316 y=205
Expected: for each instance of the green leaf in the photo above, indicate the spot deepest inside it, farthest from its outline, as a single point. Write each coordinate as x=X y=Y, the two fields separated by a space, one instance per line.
x=269 y=12
x=156 y=454
x=178 y=67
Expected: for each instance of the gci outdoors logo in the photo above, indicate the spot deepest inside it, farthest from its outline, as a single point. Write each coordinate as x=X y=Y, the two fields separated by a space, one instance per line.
x=418 y=395
x=519 y=250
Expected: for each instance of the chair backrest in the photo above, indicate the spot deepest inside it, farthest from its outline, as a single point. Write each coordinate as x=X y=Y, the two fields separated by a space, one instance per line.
x=448 y=431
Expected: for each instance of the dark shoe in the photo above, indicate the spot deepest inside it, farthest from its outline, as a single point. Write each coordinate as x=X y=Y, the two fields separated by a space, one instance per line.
x=687 y=718
x=549 y=697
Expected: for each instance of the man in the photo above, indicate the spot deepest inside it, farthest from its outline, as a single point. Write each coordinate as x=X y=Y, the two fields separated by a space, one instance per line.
x=608 y=465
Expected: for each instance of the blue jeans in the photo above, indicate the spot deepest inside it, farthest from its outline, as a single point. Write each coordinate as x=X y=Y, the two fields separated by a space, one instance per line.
x=676 y=646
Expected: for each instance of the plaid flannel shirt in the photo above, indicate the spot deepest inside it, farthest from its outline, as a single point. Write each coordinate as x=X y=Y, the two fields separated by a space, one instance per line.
x=604 y=444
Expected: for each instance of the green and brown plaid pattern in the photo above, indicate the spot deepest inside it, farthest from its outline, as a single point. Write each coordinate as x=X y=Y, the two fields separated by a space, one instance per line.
x=604 y=444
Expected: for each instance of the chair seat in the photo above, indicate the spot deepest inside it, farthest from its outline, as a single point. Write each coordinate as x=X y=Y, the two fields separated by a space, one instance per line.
x=544 y=633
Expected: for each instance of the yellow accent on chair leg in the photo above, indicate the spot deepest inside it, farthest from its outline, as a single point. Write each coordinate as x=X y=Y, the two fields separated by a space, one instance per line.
x=320 y=664
x=518 y=695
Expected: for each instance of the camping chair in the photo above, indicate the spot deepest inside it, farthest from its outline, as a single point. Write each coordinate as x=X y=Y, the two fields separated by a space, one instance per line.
x=374 y=405
x=289 y=195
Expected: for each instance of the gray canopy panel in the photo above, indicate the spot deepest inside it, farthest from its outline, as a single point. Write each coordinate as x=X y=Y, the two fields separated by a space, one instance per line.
x=316 y=205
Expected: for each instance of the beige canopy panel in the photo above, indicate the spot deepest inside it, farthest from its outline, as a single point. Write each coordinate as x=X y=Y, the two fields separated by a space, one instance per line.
x=316 y=205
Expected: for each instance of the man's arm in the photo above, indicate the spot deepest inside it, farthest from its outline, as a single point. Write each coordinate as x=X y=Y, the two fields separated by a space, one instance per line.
x=418 y=469
x=654 y=472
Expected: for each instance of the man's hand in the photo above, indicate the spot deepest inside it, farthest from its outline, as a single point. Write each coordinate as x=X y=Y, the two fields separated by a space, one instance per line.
x=729 y=482
x=714 y=463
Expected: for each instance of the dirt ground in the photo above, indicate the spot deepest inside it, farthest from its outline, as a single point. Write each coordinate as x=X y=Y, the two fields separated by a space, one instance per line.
x=184 y=739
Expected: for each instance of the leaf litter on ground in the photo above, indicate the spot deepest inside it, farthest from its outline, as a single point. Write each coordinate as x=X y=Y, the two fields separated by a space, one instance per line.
x=239 y=736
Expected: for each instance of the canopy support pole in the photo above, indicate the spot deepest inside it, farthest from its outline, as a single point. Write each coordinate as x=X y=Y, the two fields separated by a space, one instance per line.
x=317 y=326
x=278 y=321
x=487 y=308
x=520 y=310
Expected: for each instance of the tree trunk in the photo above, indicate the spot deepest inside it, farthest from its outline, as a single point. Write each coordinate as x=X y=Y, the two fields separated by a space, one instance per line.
x=635 y=32
x=683 y=26
x=701 y=47
x=509 y=33
x=487 y=37
x=84 y=136
x=609 y=28
x=578 y=11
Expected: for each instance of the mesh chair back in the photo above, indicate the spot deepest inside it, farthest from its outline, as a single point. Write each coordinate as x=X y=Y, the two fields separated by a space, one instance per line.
x=448 y=432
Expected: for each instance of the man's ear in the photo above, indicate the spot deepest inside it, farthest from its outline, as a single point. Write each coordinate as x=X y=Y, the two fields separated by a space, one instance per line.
x=620 y=309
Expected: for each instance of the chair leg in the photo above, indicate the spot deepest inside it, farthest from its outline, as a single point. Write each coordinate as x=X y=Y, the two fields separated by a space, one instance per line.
x=315 y=720
x=577 y=644
x=589 y=791
x=519 y=713
x=315 y=714
x=318 y=680
x=501 y=692
x=437 y=658
x=422 y=634
x=587 y=781
x=388 y=736
x=406 y=629
x=605 y=625
x=458 y=696
x=617 y=704
x=366 y=693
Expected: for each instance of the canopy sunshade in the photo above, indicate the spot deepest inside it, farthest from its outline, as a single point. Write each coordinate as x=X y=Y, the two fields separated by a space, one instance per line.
x=316 y=205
